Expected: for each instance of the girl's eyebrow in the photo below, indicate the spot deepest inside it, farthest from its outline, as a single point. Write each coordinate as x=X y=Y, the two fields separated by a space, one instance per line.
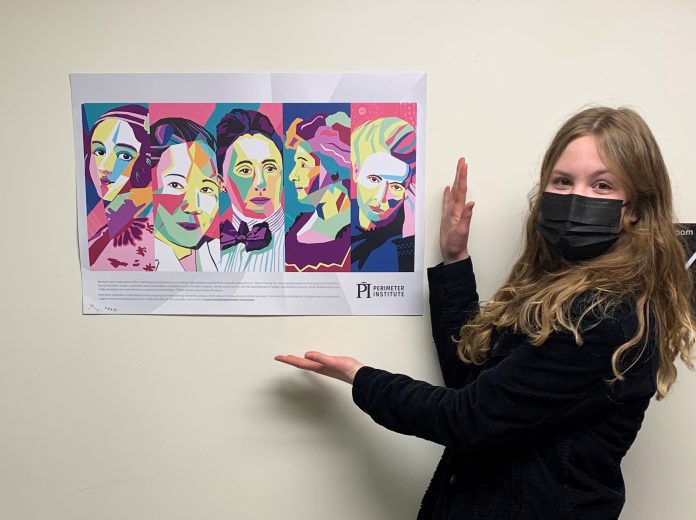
x=593 y=174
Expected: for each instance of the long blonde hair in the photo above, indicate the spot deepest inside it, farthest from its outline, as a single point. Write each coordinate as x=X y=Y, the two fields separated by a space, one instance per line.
x=646 y=264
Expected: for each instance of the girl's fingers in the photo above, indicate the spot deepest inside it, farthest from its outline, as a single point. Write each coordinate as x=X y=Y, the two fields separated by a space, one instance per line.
x=303 y=363
x=465 y=220
x=338 y=367
x=446 y=195
x=462 y=171
x=321 y=358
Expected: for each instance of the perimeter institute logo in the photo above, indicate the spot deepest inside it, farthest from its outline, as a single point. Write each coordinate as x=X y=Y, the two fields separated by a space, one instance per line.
x=369 y=290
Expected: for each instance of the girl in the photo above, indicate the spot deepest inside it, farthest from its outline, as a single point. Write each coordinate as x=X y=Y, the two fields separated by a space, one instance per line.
x=547 y=383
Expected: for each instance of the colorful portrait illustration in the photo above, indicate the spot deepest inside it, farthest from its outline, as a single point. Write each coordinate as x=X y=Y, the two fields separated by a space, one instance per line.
x=383 y=155
x=186 y=192
x=254 y=187
x=118 y=187
x=317 y=188
x=249 y=155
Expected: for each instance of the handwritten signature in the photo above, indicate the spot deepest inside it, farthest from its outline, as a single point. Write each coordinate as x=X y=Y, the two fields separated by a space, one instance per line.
x=107 y=308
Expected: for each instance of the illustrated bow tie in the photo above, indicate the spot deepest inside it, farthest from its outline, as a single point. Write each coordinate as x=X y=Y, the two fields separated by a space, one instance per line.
x=257 y=238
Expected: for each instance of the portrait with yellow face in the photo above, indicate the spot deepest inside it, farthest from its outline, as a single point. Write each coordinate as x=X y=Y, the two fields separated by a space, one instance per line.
x=186 y=196
x=118 y=187
x=250 y=160
x=383 y=156
x=254 y=175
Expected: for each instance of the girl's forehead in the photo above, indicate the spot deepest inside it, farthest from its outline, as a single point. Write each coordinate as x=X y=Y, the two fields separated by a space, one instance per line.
x=581 y=155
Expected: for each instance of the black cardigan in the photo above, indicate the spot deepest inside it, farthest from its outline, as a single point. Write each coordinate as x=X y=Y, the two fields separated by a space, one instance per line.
x=533 y=433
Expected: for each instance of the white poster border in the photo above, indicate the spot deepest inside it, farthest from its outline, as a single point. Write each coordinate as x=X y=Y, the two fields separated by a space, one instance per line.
x=226 y=293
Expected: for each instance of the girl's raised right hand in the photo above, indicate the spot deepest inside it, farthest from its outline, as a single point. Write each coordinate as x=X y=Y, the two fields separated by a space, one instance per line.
x=456 y=217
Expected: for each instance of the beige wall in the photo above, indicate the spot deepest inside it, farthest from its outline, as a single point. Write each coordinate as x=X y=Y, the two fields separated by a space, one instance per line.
x=114 y=417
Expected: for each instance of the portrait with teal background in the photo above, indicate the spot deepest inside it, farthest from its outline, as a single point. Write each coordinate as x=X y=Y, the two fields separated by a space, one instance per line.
x=98 y=117
x=317 y=186
x=118 y=191
x=328 y=151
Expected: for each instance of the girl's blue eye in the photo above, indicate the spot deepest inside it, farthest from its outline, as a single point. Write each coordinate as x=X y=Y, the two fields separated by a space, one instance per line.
x=125 y=156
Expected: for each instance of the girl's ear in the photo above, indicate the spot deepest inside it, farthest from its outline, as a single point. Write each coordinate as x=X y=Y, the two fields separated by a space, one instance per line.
x=633 y=215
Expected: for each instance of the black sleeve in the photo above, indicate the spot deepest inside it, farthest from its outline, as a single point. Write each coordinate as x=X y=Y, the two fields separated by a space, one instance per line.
x=528 y=392
x=453 y=301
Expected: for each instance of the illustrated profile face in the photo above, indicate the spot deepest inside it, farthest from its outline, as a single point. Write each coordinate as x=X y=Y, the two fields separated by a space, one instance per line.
x=304 y=172
x=187 y=193
x=254 y=175
x=113 y=152
x=380 y=186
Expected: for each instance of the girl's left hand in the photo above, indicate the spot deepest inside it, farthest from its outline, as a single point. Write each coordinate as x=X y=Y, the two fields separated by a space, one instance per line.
x=339 y=367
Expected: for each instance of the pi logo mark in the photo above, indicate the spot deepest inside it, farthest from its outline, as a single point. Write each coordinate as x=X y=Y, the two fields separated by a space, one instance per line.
x=363 y=290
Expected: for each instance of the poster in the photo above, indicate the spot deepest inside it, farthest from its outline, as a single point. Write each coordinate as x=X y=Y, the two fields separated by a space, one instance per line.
x=268 y=194
x=687 y=233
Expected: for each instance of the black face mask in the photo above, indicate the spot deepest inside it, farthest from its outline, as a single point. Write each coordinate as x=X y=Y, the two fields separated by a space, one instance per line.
x=577 y=227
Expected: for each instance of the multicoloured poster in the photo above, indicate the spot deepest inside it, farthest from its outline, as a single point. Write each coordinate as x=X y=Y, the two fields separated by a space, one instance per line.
x=686 y=231
x=303 y=202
